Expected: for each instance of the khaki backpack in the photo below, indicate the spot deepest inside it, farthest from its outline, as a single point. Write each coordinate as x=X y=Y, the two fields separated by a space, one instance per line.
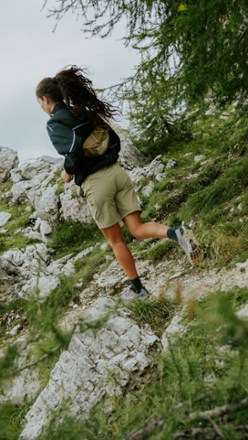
x=97 y=142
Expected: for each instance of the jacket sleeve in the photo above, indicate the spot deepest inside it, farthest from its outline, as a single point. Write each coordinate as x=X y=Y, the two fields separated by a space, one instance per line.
x=64 y=138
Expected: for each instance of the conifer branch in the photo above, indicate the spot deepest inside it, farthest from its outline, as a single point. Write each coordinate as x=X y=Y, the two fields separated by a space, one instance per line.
x=145 y=432
x=216 y=428
x=220 y=410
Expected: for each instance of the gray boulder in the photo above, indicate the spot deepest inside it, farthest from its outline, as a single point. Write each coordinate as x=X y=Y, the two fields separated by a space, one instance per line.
x=8 y=161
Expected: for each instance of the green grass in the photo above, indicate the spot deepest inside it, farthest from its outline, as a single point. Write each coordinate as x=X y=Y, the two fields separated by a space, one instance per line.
x=224 y=243
x=85 y=269
x=62 y=295
x=69 y=237
x=158 y=251
x=13 y=236
x=226 y=187
x=11 y=417
x=156 y=313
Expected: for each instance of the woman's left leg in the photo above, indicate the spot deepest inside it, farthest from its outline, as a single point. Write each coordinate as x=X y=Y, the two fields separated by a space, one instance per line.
x=183 y=235
x=141 y=230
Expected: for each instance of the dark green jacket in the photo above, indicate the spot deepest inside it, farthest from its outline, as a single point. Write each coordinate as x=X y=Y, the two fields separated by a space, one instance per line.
x=68 y=133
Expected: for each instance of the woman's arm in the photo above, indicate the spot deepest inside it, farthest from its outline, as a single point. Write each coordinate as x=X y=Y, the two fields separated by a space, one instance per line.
x=64 y=138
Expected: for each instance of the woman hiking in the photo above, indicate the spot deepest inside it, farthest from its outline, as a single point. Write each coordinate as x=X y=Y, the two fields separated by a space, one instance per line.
x=75 y=114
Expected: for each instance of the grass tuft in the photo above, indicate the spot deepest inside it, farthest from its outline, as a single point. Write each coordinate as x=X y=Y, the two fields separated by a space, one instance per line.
x=155 y=313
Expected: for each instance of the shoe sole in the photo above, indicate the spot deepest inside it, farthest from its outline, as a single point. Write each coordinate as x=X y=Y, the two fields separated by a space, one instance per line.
x=190 y=246
x=135 y=298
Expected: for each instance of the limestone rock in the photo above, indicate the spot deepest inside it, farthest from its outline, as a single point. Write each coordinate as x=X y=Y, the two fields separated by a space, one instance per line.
x=8 y=161
x=152 y=171
x=47 y=205
x=171 y=164
x=23 y=387
x=25 y=267
x=129 y=155
x=81 y=376
x=31 y=179
x=4 y=218
x=6 y=285
x=147 y=190
x=73 y=206
x=30 y=270
x=243 y=312
x=171 y=331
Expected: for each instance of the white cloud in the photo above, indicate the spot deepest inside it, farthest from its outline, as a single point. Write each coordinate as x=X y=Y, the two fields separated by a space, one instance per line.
x=30 y=50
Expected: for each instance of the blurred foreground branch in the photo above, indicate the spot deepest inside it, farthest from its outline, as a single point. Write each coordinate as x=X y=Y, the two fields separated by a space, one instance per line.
x=145 y=432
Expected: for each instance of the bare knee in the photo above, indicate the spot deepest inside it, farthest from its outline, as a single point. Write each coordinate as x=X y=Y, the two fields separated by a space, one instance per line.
x=137 y=233
x=113 y=235
x=134 y=224
x=115 y=241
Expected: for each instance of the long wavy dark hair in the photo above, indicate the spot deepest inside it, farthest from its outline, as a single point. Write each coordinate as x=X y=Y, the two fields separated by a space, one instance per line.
x=72 y=87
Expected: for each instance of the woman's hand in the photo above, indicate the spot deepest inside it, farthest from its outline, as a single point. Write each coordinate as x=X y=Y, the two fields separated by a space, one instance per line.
x=66 y=177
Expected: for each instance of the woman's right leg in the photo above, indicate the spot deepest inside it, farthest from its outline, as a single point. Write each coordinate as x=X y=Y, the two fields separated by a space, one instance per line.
x=114 y=236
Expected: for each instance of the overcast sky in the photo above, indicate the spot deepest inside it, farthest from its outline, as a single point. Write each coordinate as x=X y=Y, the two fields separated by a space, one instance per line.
x=30 y=50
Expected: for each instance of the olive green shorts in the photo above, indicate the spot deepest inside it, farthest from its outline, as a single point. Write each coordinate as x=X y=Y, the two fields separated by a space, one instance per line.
x=110 y=195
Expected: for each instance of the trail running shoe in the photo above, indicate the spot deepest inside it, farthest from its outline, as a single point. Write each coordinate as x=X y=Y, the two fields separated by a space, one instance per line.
x=131 y=295
x=189 y=244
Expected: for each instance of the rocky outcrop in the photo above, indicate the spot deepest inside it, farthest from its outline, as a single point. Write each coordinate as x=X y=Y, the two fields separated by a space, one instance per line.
x=25 y=385
x=8 y=161
x=120 y=349
x=34 y=271
x=6 y=285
